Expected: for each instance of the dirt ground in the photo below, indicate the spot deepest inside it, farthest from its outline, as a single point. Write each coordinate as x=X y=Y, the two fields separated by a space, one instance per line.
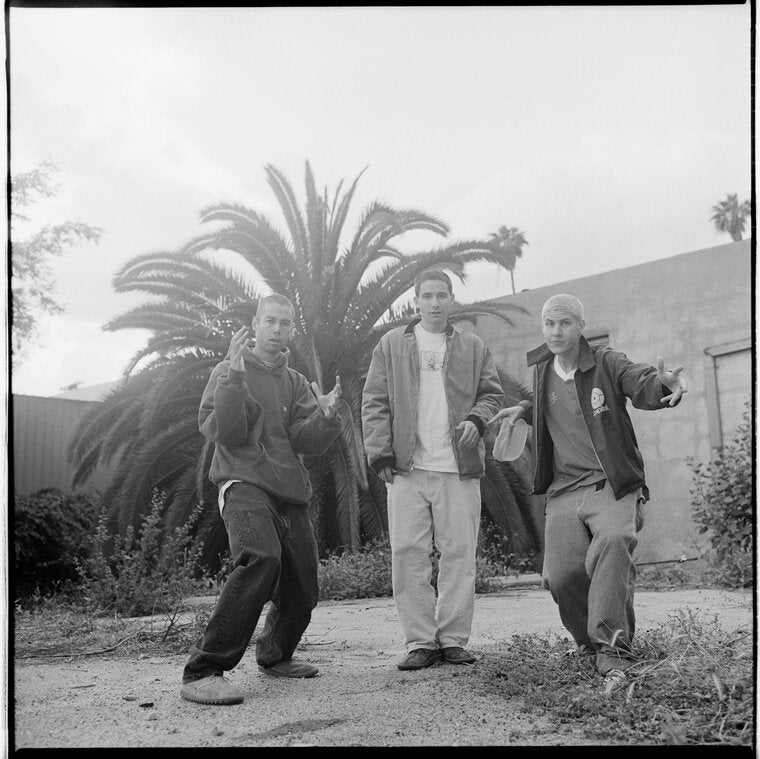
x=359 y=698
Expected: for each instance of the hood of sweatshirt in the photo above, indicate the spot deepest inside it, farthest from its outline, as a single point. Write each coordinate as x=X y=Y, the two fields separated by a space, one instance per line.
x=277 y=366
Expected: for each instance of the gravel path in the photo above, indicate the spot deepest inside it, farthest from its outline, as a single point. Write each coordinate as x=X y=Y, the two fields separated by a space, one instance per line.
x=359 y=698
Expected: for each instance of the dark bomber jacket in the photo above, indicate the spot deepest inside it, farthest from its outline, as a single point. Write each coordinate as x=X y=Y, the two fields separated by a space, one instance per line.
x=604 y=380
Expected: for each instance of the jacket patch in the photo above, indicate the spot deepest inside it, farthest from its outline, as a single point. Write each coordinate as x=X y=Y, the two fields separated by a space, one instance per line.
x=597 y=401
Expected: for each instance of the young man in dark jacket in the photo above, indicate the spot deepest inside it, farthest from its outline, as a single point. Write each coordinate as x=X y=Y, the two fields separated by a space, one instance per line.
x=261 y=415
x=588 y=463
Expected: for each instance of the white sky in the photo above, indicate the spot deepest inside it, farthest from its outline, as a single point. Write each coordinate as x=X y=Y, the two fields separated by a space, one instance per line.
x=605 y=134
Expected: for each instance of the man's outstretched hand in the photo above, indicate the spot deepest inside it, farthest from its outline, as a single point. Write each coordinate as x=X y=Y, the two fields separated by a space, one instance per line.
x=328 y=403
x=672 y=380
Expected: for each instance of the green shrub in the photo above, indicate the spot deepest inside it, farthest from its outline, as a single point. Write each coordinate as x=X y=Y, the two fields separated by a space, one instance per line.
x=367 y=572
x=722 y=507
x=51 y=533
x=151 y=574
x=363 y=574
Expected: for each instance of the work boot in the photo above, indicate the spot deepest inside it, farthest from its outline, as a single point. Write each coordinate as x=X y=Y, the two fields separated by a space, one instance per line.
x=419 y=658
x=457 y=655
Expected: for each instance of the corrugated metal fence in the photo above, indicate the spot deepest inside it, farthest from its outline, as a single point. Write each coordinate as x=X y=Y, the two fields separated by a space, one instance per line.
x=43 y=430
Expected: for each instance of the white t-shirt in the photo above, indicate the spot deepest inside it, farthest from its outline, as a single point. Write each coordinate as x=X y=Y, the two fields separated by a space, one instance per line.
x=433 y=450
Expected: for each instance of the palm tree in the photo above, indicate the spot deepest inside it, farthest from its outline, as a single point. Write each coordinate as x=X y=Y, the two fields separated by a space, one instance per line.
x=345 y=297
x=731 y=216
x=509 y=241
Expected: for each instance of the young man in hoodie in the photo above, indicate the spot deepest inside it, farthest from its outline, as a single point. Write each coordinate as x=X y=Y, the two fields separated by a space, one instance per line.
x=429 y=392
x=588 y=463
x=261 y=415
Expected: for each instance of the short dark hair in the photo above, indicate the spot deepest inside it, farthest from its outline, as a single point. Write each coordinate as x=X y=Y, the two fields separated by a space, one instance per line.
x=280 y=300
x=432 y=274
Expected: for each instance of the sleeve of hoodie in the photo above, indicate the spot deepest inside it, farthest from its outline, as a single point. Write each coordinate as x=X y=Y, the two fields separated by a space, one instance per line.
x=489 y=393
x=376 y=412
x=638 y=382
x=310 y=431
x=227 y=413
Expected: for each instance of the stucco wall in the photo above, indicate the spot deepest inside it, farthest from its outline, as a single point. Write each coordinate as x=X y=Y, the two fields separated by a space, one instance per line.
x=679 y=308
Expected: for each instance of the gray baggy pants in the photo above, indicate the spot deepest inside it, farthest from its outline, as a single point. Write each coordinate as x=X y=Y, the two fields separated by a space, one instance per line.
x=588 y=566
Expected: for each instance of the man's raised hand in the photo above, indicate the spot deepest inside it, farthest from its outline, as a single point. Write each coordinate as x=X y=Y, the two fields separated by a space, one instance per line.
x=238 y=345
x=328 y=403
x=672 y=380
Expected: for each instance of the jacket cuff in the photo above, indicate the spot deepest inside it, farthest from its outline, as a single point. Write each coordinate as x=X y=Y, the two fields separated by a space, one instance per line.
x=477 y=421
x=381 y=463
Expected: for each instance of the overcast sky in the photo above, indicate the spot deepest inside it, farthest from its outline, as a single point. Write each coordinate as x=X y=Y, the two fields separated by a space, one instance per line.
x=605 y=134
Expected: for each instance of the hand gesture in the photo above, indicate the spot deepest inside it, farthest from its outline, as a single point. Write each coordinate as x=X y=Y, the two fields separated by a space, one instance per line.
x=386 y=474
x=470 y=434
x=672 y=380
x=510 y=413
x=328 y=403
x=238 y=346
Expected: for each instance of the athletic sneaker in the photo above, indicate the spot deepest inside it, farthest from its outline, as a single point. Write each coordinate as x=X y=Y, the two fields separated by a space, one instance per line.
x=613 y=680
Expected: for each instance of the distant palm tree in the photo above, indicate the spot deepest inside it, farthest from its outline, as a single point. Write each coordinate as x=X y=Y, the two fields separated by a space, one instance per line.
x=509 y=241
x=731 y=216
x=344 y=297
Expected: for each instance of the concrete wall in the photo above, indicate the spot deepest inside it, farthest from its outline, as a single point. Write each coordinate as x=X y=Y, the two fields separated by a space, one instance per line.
x=693 y=309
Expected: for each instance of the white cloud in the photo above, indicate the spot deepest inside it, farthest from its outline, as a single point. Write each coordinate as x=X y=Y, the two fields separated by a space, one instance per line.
x=605 y=134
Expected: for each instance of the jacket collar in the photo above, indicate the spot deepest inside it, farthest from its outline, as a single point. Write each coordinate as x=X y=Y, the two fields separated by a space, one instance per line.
x=412 y=324
x=542 y=353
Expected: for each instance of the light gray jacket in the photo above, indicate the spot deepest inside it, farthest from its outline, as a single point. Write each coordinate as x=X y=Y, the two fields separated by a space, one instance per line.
x=391 y=392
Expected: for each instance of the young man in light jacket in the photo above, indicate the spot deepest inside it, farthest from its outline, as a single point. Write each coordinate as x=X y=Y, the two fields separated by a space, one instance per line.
x=429 y=393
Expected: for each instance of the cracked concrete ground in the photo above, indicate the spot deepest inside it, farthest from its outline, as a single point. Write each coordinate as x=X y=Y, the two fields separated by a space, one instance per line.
x=359 y=698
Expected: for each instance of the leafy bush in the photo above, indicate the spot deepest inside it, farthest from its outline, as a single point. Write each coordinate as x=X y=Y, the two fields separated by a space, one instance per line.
x=367 y=573
x=722 y=507
x=51 y=533
x=363 y=574
x=140 y=577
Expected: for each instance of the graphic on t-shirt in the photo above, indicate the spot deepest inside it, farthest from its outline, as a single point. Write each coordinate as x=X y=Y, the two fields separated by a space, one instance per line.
x=431 y=361
x=554 y=397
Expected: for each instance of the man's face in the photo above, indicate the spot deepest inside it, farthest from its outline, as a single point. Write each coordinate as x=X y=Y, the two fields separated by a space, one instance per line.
x=562 y=331
x=273 y=328
x=434 y=302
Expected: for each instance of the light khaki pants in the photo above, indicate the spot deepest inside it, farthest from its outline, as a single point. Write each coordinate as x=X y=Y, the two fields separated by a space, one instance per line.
x=424 y=507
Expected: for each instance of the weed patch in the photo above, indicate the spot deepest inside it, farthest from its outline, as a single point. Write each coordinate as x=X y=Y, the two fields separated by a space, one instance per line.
x=692 y=684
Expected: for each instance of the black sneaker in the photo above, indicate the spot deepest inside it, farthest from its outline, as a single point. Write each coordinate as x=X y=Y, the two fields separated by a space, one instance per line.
x=419 y=658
